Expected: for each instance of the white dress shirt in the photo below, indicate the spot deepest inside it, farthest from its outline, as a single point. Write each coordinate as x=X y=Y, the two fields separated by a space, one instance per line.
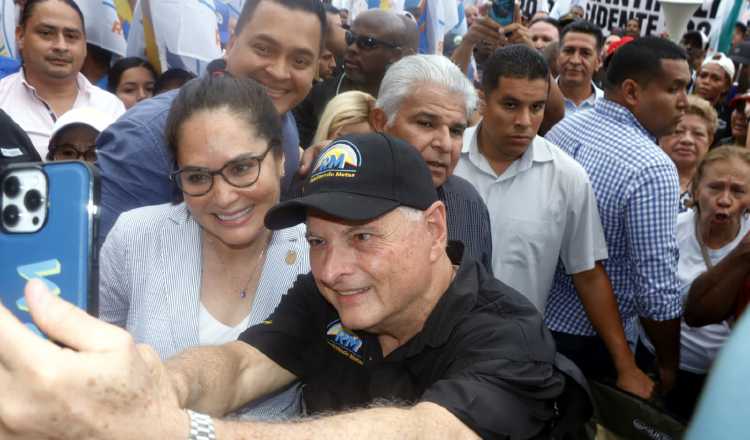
x=542 y=210
x=20 y=101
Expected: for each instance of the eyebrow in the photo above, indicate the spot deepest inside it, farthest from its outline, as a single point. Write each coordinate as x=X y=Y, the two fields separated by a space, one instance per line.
x=54 y=27
x=275 y=42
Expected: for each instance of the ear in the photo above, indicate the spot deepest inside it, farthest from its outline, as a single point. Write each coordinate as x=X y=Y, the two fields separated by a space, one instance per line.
x=437 y=227
x=631 y=92
x=378 y=120
x=19 y=38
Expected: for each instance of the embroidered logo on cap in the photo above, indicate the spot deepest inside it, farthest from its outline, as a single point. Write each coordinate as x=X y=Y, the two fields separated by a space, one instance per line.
x=340 y=159
x=344 y=341
x=11 y=152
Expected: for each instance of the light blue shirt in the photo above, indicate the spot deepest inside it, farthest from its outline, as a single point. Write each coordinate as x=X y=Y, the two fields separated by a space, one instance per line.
x=571 y=107
x=724 y=408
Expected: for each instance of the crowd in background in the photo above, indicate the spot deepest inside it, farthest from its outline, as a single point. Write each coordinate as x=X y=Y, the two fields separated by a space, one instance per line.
x=601 y=174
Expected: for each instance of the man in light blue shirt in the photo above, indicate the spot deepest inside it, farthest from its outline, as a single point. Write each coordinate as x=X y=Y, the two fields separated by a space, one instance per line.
x=132 y=154
x=580 y=46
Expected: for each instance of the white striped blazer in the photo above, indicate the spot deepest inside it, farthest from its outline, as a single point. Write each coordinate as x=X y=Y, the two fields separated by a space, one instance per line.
x=150 y=275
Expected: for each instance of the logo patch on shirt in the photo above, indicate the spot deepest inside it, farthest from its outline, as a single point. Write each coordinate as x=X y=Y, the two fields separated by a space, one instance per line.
x=10 y=152
x=340 y=159
x=344 y=341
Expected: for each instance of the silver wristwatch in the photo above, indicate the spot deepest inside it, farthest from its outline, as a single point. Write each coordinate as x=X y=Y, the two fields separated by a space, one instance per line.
x=201 y=426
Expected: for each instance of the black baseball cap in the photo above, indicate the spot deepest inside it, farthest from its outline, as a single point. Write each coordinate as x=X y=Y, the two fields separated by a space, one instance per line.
x=360 y=177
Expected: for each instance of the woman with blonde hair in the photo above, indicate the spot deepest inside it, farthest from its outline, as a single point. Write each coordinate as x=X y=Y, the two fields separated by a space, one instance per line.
x=346 y=113
x=690 y=141
x=710 y=237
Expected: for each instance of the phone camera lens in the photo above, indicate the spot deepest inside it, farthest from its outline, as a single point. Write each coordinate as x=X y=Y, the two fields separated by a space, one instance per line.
x=32 y=200
x=11 y=186
x=11 y=215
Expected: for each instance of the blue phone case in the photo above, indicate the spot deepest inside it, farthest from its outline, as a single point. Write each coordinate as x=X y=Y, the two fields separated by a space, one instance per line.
x=63 y=253
x=502 y=11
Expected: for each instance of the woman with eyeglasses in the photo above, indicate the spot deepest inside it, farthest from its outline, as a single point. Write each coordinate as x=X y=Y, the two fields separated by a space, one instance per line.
x=74 y=134
x=690 y=141
x=707 y=234
x=201 y=271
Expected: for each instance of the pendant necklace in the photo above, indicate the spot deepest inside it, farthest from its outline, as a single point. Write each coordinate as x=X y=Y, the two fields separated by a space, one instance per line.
x=243 y=291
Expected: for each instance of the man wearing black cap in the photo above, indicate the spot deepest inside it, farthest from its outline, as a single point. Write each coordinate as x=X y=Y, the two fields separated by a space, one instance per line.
x=394 y=334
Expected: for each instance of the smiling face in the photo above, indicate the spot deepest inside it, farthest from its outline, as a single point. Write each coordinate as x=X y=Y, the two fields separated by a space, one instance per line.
x=209 y=139
x=377 y=273
x=52 y=42
x=723 y=193
x=433 y=120
x=278 y=47
x=689 y=142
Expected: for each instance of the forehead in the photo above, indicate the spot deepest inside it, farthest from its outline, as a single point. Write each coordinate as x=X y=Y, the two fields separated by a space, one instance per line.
x=579 y=39
x=692 y=120
x=210 y=137
x=674 y=71
x=522 y=89
x=319 y=223
x=542 y=27
x=435 y=99
x=374 y=23
x=295 y=28
x=713 y=69
x=733 y=166
x=55 y=13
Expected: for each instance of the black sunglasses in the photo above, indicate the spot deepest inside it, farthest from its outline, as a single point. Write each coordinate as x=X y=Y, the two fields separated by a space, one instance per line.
x=367 y=43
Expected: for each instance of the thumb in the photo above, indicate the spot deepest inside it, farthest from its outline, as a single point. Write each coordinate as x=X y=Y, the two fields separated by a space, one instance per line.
x=517 y=18
x=63 y=322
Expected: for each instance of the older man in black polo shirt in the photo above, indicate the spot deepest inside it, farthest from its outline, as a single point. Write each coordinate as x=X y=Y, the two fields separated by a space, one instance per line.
x=387 y=317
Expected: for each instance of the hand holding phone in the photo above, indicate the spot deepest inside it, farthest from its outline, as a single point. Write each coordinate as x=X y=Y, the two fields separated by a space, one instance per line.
x=503 y=12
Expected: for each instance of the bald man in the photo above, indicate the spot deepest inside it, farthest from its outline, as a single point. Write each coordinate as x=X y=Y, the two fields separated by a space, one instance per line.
x=376 y=40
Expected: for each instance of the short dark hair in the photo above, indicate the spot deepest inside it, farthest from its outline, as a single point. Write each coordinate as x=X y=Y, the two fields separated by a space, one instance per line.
x=330 y=9
x=241 y=96
x=123 y=64
x=514 y=61
x=172 y=76
x=741 y=26
x=311 y=6
x=640 y=60
x=28 y=11
x=585 y=27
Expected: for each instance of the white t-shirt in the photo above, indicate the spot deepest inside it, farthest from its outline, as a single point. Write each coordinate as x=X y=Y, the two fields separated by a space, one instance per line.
x=20 y=101
x=699 y=345
x=542 y=210
x=211 y=331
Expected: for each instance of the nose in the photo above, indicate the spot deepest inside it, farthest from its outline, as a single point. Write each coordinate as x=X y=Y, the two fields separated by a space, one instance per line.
x=59 y=43
x=335 y=263
x=725 y=199
x=687 y=138
x=682 y=100
x=441 y=139
x=523 y=117
x=279 y=69
x=141 y=94
x=222 y=193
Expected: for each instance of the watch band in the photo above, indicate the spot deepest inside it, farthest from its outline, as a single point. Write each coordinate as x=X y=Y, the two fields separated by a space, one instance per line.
x=201 y=426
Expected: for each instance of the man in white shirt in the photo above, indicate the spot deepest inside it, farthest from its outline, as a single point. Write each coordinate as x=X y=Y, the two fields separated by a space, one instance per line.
x=542 y=208
x=52 y=41
x=580 y=46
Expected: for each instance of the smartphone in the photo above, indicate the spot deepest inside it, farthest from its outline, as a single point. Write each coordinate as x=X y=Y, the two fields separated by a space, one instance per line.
x=48 y=230
x=503 y=11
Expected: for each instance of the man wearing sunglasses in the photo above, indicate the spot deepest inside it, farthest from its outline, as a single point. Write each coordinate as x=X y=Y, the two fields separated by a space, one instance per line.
x=376 y=40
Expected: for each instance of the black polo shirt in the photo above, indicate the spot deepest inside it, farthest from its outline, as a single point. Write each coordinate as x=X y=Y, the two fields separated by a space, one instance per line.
x=483 y=354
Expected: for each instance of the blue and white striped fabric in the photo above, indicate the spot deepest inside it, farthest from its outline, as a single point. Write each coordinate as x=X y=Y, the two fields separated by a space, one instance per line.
x=150 y=278
x=637 y=193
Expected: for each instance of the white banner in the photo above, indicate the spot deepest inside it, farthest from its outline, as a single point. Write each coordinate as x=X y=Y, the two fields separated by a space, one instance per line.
x=103 y=27
x=609 y=14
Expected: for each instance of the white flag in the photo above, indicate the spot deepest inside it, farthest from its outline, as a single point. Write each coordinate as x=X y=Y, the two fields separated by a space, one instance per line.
x=103 y=27
x=189 y=31
x=8 y=31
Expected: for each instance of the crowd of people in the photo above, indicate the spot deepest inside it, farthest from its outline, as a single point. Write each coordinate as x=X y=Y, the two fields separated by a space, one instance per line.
x=329 y=234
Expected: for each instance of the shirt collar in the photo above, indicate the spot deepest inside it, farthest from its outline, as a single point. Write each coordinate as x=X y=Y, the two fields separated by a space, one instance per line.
x=619 y=113
x=83 y=84
x=536 y=152
x=596 y=94
x=451 y=308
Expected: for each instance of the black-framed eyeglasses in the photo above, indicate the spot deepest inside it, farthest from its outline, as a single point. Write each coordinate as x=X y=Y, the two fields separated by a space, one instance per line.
x=71 y=152
x=240 y=172
x=367 y=43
